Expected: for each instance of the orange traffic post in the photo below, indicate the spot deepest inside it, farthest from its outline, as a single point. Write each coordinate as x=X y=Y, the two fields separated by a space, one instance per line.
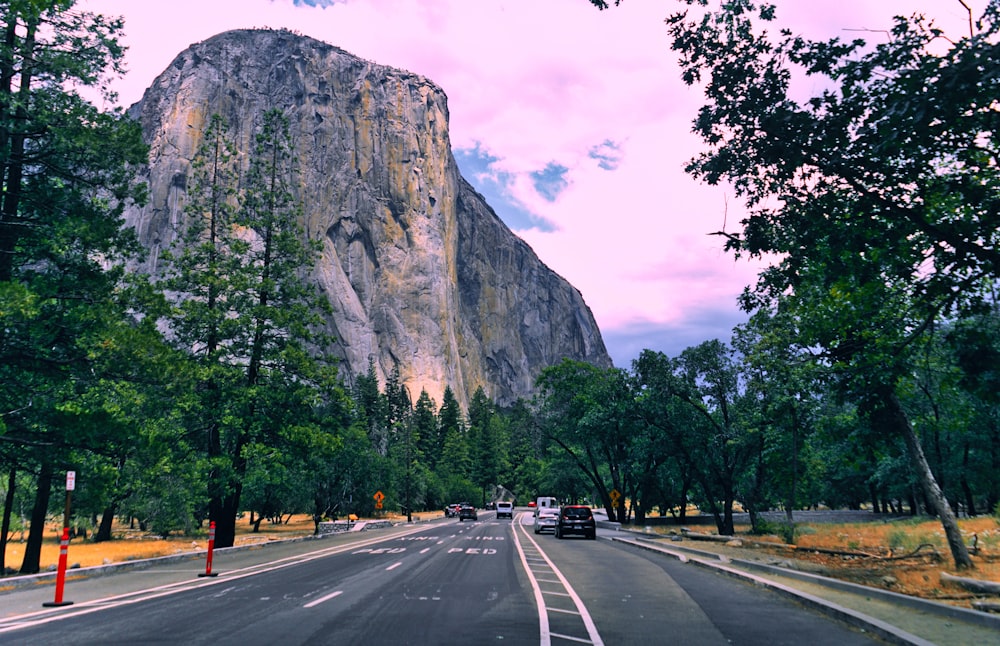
x=211 y=548
x=61 y=572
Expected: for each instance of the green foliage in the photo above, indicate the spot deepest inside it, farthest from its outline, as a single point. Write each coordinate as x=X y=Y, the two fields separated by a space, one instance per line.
x=877 y=196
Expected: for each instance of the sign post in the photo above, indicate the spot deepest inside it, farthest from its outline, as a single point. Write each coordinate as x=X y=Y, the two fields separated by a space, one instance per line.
x=63 y=547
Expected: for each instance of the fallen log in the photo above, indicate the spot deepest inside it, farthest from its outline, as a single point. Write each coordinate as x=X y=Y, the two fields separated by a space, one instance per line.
x=916 y=552
x=697 y=536
x=972 y=585
x=986 y=606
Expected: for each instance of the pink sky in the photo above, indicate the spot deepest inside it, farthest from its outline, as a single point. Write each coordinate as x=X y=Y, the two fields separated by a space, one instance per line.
x=547 y=84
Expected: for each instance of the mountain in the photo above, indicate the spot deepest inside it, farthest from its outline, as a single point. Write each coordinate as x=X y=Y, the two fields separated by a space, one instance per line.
x=421 y=273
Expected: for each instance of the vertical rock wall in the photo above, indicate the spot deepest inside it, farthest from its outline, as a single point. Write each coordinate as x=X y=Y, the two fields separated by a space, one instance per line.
x=420 y=272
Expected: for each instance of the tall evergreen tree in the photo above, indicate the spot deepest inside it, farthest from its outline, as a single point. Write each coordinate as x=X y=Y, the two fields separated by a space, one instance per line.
x=66 y=173
x=243 y=309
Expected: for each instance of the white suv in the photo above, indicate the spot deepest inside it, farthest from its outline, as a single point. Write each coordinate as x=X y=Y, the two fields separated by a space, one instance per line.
x=505 y=509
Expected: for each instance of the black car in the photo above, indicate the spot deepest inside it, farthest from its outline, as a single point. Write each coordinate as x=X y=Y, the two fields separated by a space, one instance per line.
x=467 y=511
x=576 y=519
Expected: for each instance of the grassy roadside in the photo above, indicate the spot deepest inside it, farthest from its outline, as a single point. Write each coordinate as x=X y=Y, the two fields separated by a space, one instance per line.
x=903 y=556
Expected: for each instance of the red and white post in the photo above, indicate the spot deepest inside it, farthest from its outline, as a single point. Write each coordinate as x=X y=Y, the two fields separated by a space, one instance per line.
x=211 y=548
x=63 y=547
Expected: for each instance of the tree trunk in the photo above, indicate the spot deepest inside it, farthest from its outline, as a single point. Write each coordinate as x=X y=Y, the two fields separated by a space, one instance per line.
x=900 y=423
x=107 y=519
x=8 y=508
x=33 y=548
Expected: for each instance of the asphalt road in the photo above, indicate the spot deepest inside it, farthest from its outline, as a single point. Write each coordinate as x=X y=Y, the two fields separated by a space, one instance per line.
x=446 y=582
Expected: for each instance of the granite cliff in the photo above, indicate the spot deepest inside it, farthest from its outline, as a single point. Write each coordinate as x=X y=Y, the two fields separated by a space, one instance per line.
x=420 y=272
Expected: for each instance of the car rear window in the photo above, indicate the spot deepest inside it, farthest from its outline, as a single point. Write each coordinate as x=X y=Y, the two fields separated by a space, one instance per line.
x=581 y=513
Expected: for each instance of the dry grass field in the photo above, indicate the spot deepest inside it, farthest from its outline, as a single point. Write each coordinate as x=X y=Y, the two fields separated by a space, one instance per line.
x=131 y=544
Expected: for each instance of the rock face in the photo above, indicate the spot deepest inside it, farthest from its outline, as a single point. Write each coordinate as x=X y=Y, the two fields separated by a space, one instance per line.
x=421 y=274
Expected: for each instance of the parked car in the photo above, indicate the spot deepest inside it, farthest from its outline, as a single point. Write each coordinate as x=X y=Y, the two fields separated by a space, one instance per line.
x=505 y=509
x=467 y=511
x=576 y=519
x=546 y=519
x=451 y=511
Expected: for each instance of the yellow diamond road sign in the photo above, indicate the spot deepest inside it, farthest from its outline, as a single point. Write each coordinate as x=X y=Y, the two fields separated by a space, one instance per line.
x=614 y=494
x=379 y=497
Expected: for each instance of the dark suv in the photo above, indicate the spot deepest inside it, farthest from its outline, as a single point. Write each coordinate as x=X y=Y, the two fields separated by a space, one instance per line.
x=576 y=519
x=467 y=511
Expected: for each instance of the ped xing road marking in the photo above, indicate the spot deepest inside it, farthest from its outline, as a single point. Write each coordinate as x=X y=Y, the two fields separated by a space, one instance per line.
x=381 y=550
x=87 y=607
x=322 y=599
x=543 y=619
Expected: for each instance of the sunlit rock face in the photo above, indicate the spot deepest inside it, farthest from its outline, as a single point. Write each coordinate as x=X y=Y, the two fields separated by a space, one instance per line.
x=421 y=274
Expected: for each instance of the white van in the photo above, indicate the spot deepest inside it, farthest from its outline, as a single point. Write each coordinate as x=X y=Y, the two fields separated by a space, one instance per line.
x=505 y=509
x=545 y=502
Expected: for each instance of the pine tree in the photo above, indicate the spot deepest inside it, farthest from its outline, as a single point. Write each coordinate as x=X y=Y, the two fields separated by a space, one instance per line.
x=66 y=173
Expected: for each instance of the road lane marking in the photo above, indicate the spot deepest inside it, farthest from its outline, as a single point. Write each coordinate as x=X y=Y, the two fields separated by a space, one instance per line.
x=571 y=638
x=136 y=596
x=543 y=617
x=316 y=602
x=588 y=621
x=394 y=566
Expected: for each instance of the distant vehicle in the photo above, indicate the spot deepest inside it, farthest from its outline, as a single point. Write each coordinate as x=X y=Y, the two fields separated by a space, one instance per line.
x=532 y=504
x=467 y=511
x=545 y=501
x=451 y=510
x=576 y=519
x=546 y=520
x=505 y=509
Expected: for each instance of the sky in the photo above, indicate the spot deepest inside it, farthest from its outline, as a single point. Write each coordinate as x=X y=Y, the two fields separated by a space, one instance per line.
x=572 y=122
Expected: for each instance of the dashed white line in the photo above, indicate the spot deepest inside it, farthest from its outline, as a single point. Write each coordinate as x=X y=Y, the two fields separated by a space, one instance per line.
x=316 y=602
x=394 y=566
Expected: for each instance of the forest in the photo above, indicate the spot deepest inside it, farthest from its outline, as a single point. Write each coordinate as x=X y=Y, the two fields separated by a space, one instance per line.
x=866 y=375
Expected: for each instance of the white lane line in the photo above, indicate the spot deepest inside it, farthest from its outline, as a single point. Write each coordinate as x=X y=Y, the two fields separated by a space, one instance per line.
x=543 y=616
x=87 y=607
x=572 y=639
x=425 y=550
x=588 y=621
x=394 y=566
x=316 y=602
